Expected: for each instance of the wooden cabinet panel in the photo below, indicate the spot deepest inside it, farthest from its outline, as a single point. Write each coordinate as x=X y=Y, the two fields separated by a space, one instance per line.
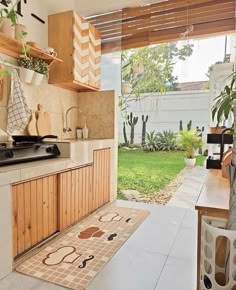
x=34 y=210
x=75 y=189
x=101 y=178
x=78 y=44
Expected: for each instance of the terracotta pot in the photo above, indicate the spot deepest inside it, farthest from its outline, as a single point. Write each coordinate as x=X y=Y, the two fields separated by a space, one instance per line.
x=37 y=78
x=190 y=162
x=6 y=27
x=26 y=75
x=217 y=130
x=18 y=31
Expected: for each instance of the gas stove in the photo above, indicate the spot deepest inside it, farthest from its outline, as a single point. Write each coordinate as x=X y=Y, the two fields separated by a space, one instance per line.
x=24 y=152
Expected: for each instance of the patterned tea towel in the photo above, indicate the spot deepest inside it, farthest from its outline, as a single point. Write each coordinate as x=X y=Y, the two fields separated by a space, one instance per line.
x=18 y=110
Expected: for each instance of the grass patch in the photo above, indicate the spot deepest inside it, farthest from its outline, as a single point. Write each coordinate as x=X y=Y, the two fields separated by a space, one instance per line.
x=148 y=172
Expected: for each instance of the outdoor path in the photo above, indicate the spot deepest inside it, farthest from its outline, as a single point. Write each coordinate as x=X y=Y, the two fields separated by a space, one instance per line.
x=160 y=255
x=187 y=194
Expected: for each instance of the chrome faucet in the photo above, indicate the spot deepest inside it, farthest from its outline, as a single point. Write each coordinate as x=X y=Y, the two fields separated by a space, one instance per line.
x=68 y=129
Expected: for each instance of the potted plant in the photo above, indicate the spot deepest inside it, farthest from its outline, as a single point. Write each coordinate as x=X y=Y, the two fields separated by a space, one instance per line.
x=190 y=141
x=222 y=108
x=41 y=69
x=8 y=18
x=26 y=70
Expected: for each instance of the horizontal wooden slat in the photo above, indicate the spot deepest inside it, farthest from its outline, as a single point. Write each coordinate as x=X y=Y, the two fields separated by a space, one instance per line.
x=164 y=22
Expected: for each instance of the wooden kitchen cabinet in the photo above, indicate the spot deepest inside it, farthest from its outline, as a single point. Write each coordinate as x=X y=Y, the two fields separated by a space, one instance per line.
x=34 y=210
x=78 y=44
x=75 y=191
x=101 y=177
x=50 y=204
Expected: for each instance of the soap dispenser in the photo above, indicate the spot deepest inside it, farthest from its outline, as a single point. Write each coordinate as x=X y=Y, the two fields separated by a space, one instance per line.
x=85 y=131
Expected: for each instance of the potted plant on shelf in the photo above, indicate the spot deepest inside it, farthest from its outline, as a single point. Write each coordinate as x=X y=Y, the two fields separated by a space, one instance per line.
x=222 y=108
x=41 y=69
x=190 y=141
x=26 y=70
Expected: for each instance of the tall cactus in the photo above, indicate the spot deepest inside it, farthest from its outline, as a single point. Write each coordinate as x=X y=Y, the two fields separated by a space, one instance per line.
x=144 y=128
x=180 y=125
x=125 y=135
x=132 y=121
x=189 y=125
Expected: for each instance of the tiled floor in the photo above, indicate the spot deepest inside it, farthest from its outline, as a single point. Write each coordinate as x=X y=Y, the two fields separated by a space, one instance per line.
x=160 y=255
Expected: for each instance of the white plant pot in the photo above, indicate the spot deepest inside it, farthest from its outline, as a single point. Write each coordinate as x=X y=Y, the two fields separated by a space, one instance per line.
x=189 y=162
x=26 y=75
x=126 y=88
x=6 y=27
x=37 y=79
x=18 y=30
x=138 y=68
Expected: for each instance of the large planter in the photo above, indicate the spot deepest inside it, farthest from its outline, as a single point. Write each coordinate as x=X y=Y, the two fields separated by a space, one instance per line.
x=190 y=162
x=18 y=32
x=26 y=75
x=37 y=79
x=217 y=130
x=6 y=27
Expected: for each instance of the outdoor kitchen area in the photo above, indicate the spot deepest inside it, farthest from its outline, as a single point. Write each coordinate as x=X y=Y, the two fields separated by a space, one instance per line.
x=113 y=174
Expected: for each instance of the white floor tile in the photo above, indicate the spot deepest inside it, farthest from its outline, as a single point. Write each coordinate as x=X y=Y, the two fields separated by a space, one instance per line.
x=185 y=245
x=177 y=275
x=130 y=269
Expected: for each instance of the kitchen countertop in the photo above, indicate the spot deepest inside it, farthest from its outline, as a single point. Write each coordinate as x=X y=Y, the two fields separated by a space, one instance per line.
x=74 y=153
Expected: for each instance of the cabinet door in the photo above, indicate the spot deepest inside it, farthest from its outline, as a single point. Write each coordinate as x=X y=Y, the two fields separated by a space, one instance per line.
x=34 y=210
x=101 y=177
x=75 y=189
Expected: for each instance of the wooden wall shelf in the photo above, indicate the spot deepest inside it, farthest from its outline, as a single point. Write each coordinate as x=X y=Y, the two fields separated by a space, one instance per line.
x=13 y=47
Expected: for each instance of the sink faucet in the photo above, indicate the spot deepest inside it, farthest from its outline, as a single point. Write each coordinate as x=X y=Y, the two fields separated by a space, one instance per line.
x=68 y=129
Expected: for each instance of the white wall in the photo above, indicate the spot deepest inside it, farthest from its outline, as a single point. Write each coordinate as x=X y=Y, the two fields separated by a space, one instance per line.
x=165 y=111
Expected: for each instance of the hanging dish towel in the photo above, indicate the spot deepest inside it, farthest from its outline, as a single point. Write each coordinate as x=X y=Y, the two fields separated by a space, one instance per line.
x=18 y=110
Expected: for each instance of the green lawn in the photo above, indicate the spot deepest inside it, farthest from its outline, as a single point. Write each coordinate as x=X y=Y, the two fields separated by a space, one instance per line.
x=148 y=172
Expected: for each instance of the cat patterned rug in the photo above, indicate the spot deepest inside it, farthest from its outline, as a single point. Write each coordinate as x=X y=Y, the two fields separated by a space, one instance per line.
x=76 y=258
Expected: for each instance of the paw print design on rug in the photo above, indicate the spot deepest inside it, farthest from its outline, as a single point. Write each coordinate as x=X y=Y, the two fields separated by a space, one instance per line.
x=64 y=254
x=110 y=217
x=92 y=232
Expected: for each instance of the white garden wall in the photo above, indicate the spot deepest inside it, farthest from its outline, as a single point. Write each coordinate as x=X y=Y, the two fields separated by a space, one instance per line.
x=166 y=110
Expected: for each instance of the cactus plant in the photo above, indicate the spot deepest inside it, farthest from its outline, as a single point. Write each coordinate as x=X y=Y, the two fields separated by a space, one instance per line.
x=132 y=121
x=180 y=125
x=144 y=128
x=189 y=125
x=125 y=135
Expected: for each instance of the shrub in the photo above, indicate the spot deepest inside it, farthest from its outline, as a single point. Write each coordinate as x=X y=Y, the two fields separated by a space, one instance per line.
x=151 y=142
x=190 y=142
x=167 y=141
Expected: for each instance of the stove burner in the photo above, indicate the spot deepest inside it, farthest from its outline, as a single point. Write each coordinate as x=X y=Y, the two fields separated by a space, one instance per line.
x=26 y=151
x=3 y=145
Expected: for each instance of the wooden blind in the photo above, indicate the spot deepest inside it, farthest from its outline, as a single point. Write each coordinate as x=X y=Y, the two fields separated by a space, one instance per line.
x=164 y=22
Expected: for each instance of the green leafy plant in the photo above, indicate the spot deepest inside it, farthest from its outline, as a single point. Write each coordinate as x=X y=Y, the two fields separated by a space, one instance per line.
x=222 y=107
x=167 y=141
x=9 y=12
x=151 y=142
x=190 y=141
x=26 y=62
x=40 y=66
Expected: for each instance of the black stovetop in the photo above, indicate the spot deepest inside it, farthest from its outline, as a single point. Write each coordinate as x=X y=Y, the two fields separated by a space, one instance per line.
x=13 y=153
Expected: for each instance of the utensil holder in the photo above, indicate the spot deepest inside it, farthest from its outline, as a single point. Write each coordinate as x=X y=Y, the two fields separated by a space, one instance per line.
x=216 y=244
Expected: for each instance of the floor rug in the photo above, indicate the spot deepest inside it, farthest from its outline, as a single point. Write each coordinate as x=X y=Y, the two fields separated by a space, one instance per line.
x=76 y=258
